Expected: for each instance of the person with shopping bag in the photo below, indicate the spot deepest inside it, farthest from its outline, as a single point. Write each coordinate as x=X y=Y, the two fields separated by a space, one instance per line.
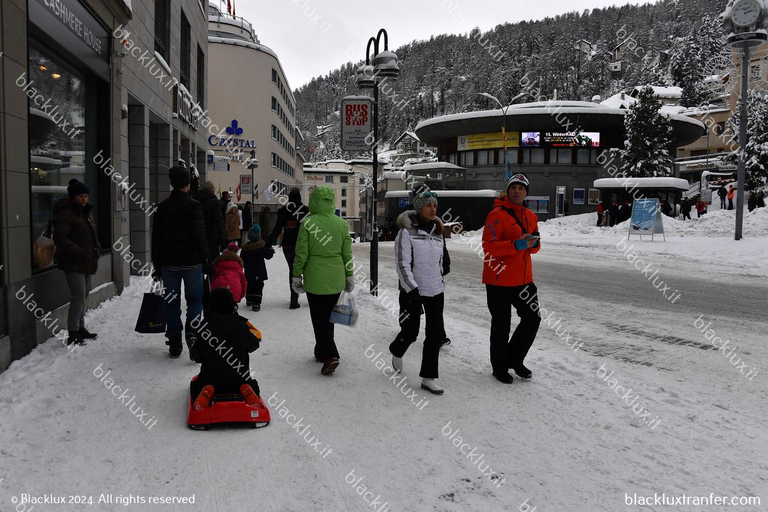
x=180 y=254
x=422 y=261
x=78 y=247
x=322 y=269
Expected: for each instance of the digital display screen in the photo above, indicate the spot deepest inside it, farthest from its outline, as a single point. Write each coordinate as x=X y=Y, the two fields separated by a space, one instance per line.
x=530 y=139
x=572 y=139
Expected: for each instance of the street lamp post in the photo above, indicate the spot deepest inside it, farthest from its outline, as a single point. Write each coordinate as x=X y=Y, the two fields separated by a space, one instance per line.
x=745 y=21
x=385 y=67
x=504 y=109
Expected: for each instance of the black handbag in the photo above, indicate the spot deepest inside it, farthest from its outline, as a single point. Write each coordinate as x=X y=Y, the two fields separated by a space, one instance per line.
x=152 y=314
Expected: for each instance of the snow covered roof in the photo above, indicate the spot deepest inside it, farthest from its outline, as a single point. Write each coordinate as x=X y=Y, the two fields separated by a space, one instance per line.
x=393 y=175
x=641 y=183
x=406 y=134
x=616 y=101
x=431 y=166
x=450 y=193
x=660 y=92
x=325 y=170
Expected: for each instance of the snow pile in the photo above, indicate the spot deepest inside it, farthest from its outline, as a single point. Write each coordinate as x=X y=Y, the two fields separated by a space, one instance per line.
x=719 y=223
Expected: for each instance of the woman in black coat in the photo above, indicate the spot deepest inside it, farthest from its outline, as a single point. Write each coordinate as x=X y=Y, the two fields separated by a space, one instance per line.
x=79 y=251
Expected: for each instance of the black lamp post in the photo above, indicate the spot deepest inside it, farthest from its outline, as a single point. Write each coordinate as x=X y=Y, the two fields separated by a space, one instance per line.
x=385 y=67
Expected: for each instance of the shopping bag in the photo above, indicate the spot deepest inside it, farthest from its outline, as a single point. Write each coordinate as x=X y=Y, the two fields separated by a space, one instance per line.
x=345 y=311
x=43 y=248
x=152 y=314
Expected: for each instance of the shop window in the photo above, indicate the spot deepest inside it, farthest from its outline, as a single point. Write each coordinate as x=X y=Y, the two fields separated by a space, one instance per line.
x=467 y=158
x=57 y=155
x=452 y=158
x=512 y=156
x=560 y=156
x=538 y=204
x=533 y=156
x=482 y=158
x=163 y=28
x=582 y=156
x=594 y=196
x=578 y=196
x=185 y=51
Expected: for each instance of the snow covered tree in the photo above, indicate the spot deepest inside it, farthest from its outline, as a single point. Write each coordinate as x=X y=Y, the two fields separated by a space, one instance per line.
x=649 y=135
x=757 y=140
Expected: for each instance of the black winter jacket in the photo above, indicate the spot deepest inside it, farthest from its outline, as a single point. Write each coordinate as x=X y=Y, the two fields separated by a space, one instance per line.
x=289 y=219
x=178 y=233
x=224 y=345
x=75 y=237
x=253 y=255
x=215 y=233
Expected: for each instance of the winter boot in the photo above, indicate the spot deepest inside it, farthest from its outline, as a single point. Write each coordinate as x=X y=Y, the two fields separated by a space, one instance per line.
x=75 y=338
x=294 y=300
x=174 y=342
x=523 y=372
x=431 y=386
x=504 y=377
x=191 y=337
x=256 y=307
x=330 y=365
x=250 y=397
x=204 y=399
x=294 y=305
x=397 y=364
x=86 y=335
x=446 y=342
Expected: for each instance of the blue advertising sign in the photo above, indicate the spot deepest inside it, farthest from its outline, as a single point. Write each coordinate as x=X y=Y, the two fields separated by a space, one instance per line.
x=646 y=218
x=403 y=202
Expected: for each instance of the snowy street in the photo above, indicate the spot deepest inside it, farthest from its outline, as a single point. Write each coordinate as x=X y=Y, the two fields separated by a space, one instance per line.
x=689 y=421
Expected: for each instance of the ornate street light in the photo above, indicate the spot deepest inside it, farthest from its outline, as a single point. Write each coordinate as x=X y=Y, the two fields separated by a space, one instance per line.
x=507 y=171
x=385 y=67
x=745 y=23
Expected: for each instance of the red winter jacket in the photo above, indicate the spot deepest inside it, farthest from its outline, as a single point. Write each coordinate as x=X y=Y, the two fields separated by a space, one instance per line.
x=503 y=264
x=230 y=274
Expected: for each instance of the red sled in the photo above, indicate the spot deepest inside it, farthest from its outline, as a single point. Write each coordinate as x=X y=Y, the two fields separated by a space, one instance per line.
x=228 y=408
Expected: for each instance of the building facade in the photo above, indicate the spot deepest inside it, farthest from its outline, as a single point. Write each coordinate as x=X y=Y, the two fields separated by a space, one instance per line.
x=542 y=142
x=251 y=100
x=81 y=98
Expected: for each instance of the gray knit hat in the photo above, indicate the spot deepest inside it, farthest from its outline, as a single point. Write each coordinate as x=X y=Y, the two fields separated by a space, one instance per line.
x=422 y=196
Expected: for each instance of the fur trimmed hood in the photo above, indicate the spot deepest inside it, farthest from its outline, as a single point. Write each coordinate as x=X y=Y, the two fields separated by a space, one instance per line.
x=410 y=219
x=252 y=246
x=228 y=256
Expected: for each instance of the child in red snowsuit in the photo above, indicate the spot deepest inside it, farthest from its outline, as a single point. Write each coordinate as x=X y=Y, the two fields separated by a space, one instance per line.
x=230 y=273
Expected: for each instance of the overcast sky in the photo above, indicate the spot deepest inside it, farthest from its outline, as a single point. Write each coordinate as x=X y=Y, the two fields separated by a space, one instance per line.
x=313 y=37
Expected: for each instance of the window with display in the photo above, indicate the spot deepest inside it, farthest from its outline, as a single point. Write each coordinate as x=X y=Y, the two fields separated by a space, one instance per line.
x=57 y=145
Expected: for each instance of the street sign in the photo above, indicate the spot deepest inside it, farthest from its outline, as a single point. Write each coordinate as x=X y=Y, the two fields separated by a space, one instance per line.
x=356 y=123
x=246 y=188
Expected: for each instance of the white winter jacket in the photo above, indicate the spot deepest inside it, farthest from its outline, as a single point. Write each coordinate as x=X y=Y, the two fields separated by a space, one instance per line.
x=422 y=257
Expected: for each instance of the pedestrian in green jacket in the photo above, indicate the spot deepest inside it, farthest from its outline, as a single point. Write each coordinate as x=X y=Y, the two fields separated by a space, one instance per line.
x=324 y=259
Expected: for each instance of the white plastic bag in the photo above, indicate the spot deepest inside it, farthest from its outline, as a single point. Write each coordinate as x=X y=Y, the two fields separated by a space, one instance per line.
x=345 y=311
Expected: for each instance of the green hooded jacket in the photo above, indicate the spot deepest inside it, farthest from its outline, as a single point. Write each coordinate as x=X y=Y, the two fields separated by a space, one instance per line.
x=324 y=247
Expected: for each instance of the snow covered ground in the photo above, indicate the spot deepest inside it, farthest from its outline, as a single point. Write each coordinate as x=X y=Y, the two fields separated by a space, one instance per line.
x=687 y=421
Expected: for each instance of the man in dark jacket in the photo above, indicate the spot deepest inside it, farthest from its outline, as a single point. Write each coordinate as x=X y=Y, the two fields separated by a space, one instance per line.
x=180 y=253
x=78 y=250
x=289 y=219
x=225 y=199
x=215 y=233
x=247 y=219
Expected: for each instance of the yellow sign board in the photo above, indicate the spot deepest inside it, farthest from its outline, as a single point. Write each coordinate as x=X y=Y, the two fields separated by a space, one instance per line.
x=487 y=141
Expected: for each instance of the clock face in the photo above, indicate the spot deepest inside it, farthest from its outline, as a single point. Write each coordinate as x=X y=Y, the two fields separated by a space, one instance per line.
x=745 y=13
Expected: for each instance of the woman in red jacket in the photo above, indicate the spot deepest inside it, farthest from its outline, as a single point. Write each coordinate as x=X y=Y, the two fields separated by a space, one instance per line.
x=510 y=236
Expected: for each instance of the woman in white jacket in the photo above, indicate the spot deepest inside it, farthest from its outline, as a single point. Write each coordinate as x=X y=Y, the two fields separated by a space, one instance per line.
x=422 y=261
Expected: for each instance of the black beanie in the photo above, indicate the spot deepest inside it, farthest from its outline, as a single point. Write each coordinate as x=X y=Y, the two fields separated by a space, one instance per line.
x=179 y=177
x=76 y=188
x=221 y=301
